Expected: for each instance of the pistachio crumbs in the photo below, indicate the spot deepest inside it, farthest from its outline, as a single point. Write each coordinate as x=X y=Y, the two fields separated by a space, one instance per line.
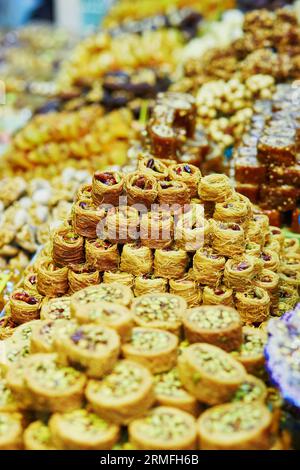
x=239 y=417
x=150 y=340
x=158 y=308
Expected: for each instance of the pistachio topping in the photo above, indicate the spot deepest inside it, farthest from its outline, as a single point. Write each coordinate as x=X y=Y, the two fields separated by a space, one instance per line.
x=5 y=423
x=53 y=376
x=169 y=384
x=149 y=340
x=85 y=423
x=213 y=362
x=42 y=434
x=164 y=425
x=6 y=396
x=213 y=318
x=253 y=345
x=100 y=292
x=158 y=307
x=91 y=339
x=126 y=378
x=250 y=391
x=238 y=417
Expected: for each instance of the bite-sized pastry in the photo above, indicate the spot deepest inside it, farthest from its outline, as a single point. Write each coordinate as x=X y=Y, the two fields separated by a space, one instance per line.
x=24 y=307
x=216 y=188
x=8 y=402
x=253 y=305
x=55 y=309
x=141 y=189
x=30 y=283
x=170 y=263
x=124 y=394
x=252 y=249
x=188 y=174
x=277 y=150
x=220 y=295
x=192 y=230
x=153 y=167
x=288 y=298
x=240 y=271
x=291 y=245
x=187 y=288
x=86 y=217
x=84 y=192
x=157 y=229
x=164 y=428
x=102 y=255
x=275 y=233
x=122 y=224
x=178 y=109
x=148 y=283
x=173 y=193
x=136 y=259
x=81 y=276
x=51 y=280
x=10 y=431
x=236 y=426
x=269 y=281
x=251 y=390
x=208 y=267
x=272 y=245
x=156 y=349
x=82 y=430
x=114 y=293
x=214 y=324
x=290 y=261
x=262 y=221
x=228 y=239
x=232 y=211
x=289 y=277
x=44 y=333
x=270 y=259
x=255 y=234
x=121 y=277
x=68 y=248
x=37 y=436
x=162 y=311
x=251 y=352
x=107 y=187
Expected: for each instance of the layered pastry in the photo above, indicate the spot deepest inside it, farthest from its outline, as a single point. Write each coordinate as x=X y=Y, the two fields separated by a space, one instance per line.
x=251 y=352
x=10 y=431
x=68 y=248
x=232 y=212
x=228 y=239
x=253 y=305
x=215 y=188
x=110 y=277
x=270 y=259
x=116 y=293
x=252 y=249
x=107 y=187
x=37 y=436
x=209 y=373
x=290 y=278
x=148 y=283
x=220 y=295
x=141 y=189
x=8 y=402
x=157 y=229
x=24 y=307
x=218 y=325
x=122 y=224
x=164 y=140
x=255 y=234
x=92 y=348
x=251 y=390
x=291 y=245
x=153 y=167
x=208 y=267
x=288 y=298
x=275 y=233
x=102 y=255
x=156 y=349
x=57 y=308
x=84 y=192
x=86 y=217
x=162 y=311
x=170 y=392
x=269 y=281
x=187 y=288
x=29 y=283
x=192 y=230
x=240 y=272
x=188 y=174
x=136 y=259
x=15 y=380
x=123 y=395
x=42 y=338
x=164 y=428
x=52 y=280
x=170 y=263
x=236 y=426
x=81 y=276
x=82 y=430
x=173 y=193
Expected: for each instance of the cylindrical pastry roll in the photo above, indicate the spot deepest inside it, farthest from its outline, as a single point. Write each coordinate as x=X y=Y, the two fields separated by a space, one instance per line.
x=228 y=239
x=214 y=324
x=240 y=272
x=288 y=298
x=291 y=245
x=236 y=426
x=255 y=234
x=30 y=283
x=15 y=378
x=208 y=267
x=114 y=293
x=173 y=193
x=157 y=229
x=81 y=276
x=220 y=295
x=164 y=428
x=251 y=390
x=136 y=259
x=253 y=305
x=147 y=283
x=232 y=212
x=252 y=249
x=170 y=263
x=188 y=174
x=86 y=216
x=289 y=277
x=38 y=437
x=216 y=188
x=251 y=352
x=10 y=431
x=82 y=430
x=155 y=349
x=8 y=402
x=153 y=167
x=55 y=309
x=262 y=221
x=270 y=260
x=275 y=233
x=42 y=337
x=84 y=192
x=24 y=307
x=107 y=187
x=120 y=277
x=51 y=280
x=102 y=255
x=187 y=288
x=192 y=230
x=122 y=225
x=209 y=373
x=68 y=248
x=95 y=348
x=162 y=311
x=269 y=281
x=115 y=316
x=123 y=395
x=170 y=392
x=288 y=261
x=273 y=245
x=141 y=189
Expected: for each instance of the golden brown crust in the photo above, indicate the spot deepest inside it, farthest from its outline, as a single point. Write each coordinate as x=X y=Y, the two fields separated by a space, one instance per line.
x=170 y=263
x=68 y=248
x=136 y=259
x=102 y=255
x=107 y=187
x=51 y=280
x=141 y=188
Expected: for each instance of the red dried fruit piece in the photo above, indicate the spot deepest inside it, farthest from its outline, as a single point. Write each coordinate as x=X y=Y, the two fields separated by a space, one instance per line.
x=219 y=291
x=242 y=266
x=25 y=297
x=106 y=178
x=235 y=227
x=140 y=182
x=32 y=279
x=266 y=257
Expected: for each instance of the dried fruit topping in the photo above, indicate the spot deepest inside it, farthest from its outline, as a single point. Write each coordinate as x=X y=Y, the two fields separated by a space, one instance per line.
x=242 y=266
x=106 y=178
x=32 y=279
x=150 y=163
x=187 y=169
x=266 y=257
x=25 y=297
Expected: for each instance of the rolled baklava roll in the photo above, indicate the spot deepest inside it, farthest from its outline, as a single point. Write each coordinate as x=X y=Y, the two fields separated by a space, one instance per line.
x=269 y=281
x=252 y=249
x=216 y=188
x=255 y=234
x=220 y=295
x=188 y=174
x=288 y=298
x=289 y=277
x=68 y=248
x=291 y=245
x=275 y=233
x=141 y=189
x=153 y=167
x=170 y=263
x=120 y=277
x=228 y=239
x=187 y=288
x=270 y=260
x=136 y=259
x=173 y=193
x=122 y=225
x=114 y=293
x=30 y=283
x=51 y=280
x=251 y=390
x=163 y=311
x=208 y=267
x=251 y=352
x=253 y=305
x=107 y=187
x=86 y=217
x=84 y=192
x=102 y=255
x=236 y=426
x=214 y=324
x=115 y=316
x=38 y=437
x=124 y=394
x=147 y=283
x=209 y=373
x=24 y=307
x=15 y=379
x=8 y=402
x=81 y=276
x=262 y=221
x=42 y=337
x=288 y=261
x=273 y=245
x=232 y=212
x=170 y=392
x=155 y=349
x=164 y=428
x=82 y=430
x=56 y=309
x=95 y=348
x=192 y=230
x=240 y=272
x=157 y=229
x=11 y=431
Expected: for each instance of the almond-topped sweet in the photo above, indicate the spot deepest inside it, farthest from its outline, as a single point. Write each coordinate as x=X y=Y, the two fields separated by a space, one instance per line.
x=215 y=324
x=251 y=352
x=82 y=430
x=55 y=309
x=10 y=431
x=209 y=373
x=164 y=428
x=154 y=348
x=236 y=426
x=113 y=292
x=124 y=394
x=159 y=311
x=37 y=436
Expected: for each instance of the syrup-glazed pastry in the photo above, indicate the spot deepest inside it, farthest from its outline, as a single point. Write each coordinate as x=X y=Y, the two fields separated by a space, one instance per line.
x=68 y=247
x=136 y=259
x=187 y=288
x=122 y=224
x=10 y=431
x=251 y=352
x=86 y=216
x=121 y=277
x=107 y=187
x=52 y=280
x=170 y=263
x=115 y=293
x=37 y=436
x=253 y=305
x=173 y=192
x=148 y=283
x=8 y=402
x=55 y=309
x=269 y=281
x=251 y=390
x=24 y=307
x=153 y=167
x=157 y=229
x=141 y=189
x=240 y=272
x=216 y=188
x=220 y=295
x=81 y=276
x=228 y=239
x=208 y=267
x=102 y=255
x=188 y=174
x=192 y=230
